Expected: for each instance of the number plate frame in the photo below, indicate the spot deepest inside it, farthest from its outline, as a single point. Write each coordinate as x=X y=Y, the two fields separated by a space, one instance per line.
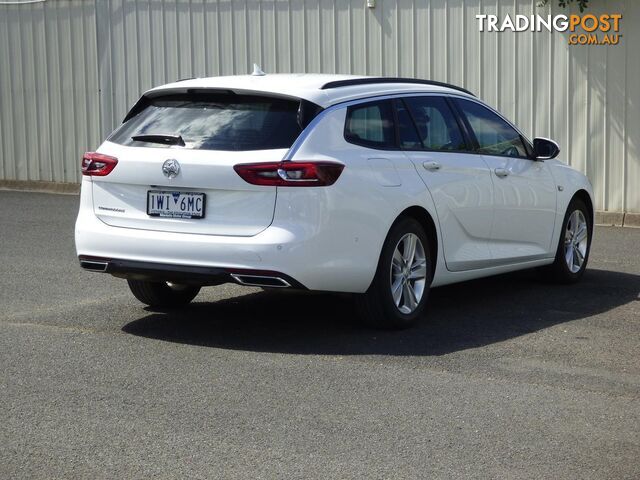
x=176 y=214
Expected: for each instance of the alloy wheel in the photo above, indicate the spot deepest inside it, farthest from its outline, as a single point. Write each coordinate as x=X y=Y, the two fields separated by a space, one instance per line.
x=408 y=273
x=576 y=238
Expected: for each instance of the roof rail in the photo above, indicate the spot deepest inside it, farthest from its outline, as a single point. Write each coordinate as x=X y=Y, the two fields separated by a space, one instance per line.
x=372 y=80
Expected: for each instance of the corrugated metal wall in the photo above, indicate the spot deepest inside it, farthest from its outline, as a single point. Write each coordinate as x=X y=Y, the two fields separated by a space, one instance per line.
x=48 y=89
x=70 y=69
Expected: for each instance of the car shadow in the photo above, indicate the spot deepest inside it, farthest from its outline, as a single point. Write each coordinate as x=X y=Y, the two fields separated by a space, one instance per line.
x=461 y=316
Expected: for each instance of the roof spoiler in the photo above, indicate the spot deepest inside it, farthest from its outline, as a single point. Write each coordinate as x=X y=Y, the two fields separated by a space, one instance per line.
x=307 y=110
x=373 y=80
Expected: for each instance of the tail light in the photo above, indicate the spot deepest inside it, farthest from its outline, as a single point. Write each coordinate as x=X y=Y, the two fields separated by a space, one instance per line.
x=290 y=174
x=98 y=164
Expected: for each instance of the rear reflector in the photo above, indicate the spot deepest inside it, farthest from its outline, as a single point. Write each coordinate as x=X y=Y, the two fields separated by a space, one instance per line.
x=290 y=174
x=98 y=164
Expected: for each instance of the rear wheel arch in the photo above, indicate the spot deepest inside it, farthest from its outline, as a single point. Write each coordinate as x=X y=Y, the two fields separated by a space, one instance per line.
x=398 y=293
x=422 y=216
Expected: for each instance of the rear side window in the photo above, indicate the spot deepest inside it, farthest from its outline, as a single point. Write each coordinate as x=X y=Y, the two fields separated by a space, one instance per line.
x=409 y=138
x=371 y=125
x=215 y=122
x=437 y=126
x=494 y=135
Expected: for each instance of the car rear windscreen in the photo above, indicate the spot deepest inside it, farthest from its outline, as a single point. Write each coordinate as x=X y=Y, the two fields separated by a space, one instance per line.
x=214 y=122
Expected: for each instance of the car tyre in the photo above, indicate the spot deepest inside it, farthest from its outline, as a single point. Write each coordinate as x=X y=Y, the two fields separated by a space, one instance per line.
x=574 y=245
x=380 y=306
x=163 y=294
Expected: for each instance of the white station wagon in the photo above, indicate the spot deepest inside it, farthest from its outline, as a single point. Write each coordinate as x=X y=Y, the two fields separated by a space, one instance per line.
x=380 y=187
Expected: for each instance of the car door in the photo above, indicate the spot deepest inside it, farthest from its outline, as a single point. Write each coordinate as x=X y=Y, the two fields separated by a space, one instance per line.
x=524 y=189
x=458 y=180
x=371 y=125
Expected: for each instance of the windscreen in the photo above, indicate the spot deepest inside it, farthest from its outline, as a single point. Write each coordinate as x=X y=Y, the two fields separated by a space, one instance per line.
x=224 y=121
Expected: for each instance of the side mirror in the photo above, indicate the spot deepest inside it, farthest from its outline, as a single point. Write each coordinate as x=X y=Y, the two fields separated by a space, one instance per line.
x=545 y=149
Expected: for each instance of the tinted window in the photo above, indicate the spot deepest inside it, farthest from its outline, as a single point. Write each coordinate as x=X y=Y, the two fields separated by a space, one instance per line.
x=409 y=138
x=436 y=124
x=370 y=125
x=216 y=122
x=494 y=135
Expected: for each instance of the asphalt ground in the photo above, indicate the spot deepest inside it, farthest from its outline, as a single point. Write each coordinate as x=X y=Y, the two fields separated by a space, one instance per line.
x=507 y=377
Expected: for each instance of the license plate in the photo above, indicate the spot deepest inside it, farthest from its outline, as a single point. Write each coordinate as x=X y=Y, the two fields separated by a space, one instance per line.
x=175 y=204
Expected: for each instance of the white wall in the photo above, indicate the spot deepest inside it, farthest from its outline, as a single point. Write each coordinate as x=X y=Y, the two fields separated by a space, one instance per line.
x=70 y=69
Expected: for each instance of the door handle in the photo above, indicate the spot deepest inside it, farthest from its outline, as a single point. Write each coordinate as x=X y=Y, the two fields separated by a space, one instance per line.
x=501 y=172
x=431 y=166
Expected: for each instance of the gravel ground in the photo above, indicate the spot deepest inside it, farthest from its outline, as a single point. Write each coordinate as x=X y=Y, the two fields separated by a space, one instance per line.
x=508 y=377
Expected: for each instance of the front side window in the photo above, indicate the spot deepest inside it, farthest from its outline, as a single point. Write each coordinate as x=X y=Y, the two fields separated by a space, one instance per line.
x=437 y=126
x=371 y=125
x=215 y=122
x=494 y=135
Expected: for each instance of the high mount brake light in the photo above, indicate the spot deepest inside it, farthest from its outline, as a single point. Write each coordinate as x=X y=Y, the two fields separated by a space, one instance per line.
x=98 y=164
x=290 y=174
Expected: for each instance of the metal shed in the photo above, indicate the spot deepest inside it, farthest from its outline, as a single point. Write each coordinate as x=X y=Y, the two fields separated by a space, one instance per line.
x=70 y=69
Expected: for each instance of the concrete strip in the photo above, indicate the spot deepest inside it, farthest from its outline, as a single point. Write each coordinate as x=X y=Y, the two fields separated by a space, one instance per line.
x=632 y=220
x=615 y=219
x=39 y=186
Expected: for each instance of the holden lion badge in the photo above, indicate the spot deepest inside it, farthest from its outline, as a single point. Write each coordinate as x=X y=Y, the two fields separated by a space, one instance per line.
x=171 y=168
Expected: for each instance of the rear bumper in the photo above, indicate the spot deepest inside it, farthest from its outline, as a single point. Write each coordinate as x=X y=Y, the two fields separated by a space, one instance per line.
x=304 y=244
x=188 y=274
x=187 y=258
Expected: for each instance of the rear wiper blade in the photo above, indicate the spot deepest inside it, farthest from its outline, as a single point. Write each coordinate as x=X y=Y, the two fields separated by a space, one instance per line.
x=165 y=139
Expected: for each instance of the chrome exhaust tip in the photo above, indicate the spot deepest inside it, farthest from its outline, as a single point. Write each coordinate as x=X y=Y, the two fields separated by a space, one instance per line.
x=94 y=265
x=260 y=281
